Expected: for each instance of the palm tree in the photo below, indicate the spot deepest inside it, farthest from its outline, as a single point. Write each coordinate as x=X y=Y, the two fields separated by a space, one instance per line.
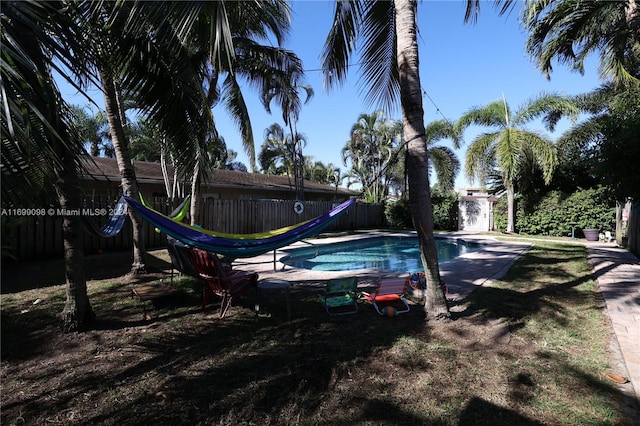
x=327 y=174
x=280 y=153
x=372 y=151
x=229 y=34
x=275 y=156
x=187 y=46
x=40 y=147
x=291 y=104
x=568 y=31
x=93 y=130
x=389 y=62
x=444 y=161
x=509 y=144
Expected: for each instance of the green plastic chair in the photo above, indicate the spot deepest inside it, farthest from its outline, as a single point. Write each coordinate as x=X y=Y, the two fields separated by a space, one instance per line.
x=340 y=296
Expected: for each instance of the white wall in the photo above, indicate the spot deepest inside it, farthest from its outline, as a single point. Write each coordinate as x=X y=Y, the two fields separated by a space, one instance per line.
x=474 y=214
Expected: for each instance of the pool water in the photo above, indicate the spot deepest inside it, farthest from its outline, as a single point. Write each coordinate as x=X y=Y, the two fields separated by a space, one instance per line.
x=396 y=254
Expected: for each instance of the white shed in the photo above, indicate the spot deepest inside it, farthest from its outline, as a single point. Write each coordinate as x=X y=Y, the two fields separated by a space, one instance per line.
x=475 y=212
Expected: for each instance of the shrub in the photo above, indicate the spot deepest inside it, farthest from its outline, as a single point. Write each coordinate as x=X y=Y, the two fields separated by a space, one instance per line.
x=555 y=213
x=500 y=214
x=445 y=212
x=398 y=214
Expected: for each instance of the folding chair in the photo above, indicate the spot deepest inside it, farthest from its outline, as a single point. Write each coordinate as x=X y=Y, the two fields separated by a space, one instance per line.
x=180 y=261
x=339 y=297
x=225 y=283
x=388 y=292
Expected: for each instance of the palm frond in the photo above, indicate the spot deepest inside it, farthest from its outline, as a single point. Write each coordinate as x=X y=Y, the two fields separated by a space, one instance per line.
x=582 y=134
x=568 y=32
x=551 y=107
x=446 y=166
x=479 y=155
x=36 y=127
x=442 y=129
x=490 y=115
x=542 y=151
x=237 y=107
x=341 y=41
x=379 y=66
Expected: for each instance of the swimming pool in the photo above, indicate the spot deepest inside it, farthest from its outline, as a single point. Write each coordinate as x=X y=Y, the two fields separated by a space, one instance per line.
x=396 y=254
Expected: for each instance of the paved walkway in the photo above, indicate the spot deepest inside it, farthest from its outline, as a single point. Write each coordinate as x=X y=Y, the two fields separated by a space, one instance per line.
x=618 y=275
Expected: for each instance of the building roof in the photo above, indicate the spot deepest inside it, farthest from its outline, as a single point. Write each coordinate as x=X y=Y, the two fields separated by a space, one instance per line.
x=106 y=169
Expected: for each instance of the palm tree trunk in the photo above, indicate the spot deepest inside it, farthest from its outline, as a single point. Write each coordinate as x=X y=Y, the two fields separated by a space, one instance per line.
x=418 y=167
x=195 y=192
x=510 y=209
x=77 y=313
x=115 y=117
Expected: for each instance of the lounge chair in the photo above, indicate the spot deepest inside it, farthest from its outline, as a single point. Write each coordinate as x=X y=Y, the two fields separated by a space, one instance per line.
x=339 y=297
x=389 y=292
x=219 y=280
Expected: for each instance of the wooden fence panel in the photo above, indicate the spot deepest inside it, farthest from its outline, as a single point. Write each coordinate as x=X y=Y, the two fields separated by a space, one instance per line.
x=41 y=237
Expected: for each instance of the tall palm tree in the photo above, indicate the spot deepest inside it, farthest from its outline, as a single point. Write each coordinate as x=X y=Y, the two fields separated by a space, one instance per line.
x=187 y=46
x=291 y=104
x=509 y=144
x=280 y=153
x=236 y=39
x=569 y=31
x=389 y=63
x=444 y=162
x=40 y=147
x=372 y=151
x=276 y=155
x=93 y=130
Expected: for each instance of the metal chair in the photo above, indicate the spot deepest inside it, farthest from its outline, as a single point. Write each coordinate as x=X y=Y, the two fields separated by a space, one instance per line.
x=340 y=296
x=390 y=291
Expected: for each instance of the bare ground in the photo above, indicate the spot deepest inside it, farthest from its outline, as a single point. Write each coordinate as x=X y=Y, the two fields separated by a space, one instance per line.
x=186 y=366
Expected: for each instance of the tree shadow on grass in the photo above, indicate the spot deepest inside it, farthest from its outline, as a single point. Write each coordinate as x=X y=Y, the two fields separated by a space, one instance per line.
x=243 y=368
x=30 y=275
x=480 y=412
x=528 y=296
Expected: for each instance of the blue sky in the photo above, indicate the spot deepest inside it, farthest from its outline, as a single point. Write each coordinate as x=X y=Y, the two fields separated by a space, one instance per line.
x=461 y=66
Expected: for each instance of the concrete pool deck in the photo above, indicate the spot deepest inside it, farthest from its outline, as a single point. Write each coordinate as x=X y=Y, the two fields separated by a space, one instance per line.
x=461 y=274
x=616 y=270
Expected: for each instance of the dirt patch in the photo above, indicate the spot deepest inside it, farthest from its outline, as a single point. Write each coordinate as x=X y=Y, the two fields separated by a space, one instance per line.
x=186 y=366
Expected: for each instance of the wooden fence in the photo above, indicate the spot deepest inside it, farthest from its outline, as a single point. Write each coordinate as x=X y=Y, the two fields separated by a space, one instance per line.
x=41 y=236
x=633 y=227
